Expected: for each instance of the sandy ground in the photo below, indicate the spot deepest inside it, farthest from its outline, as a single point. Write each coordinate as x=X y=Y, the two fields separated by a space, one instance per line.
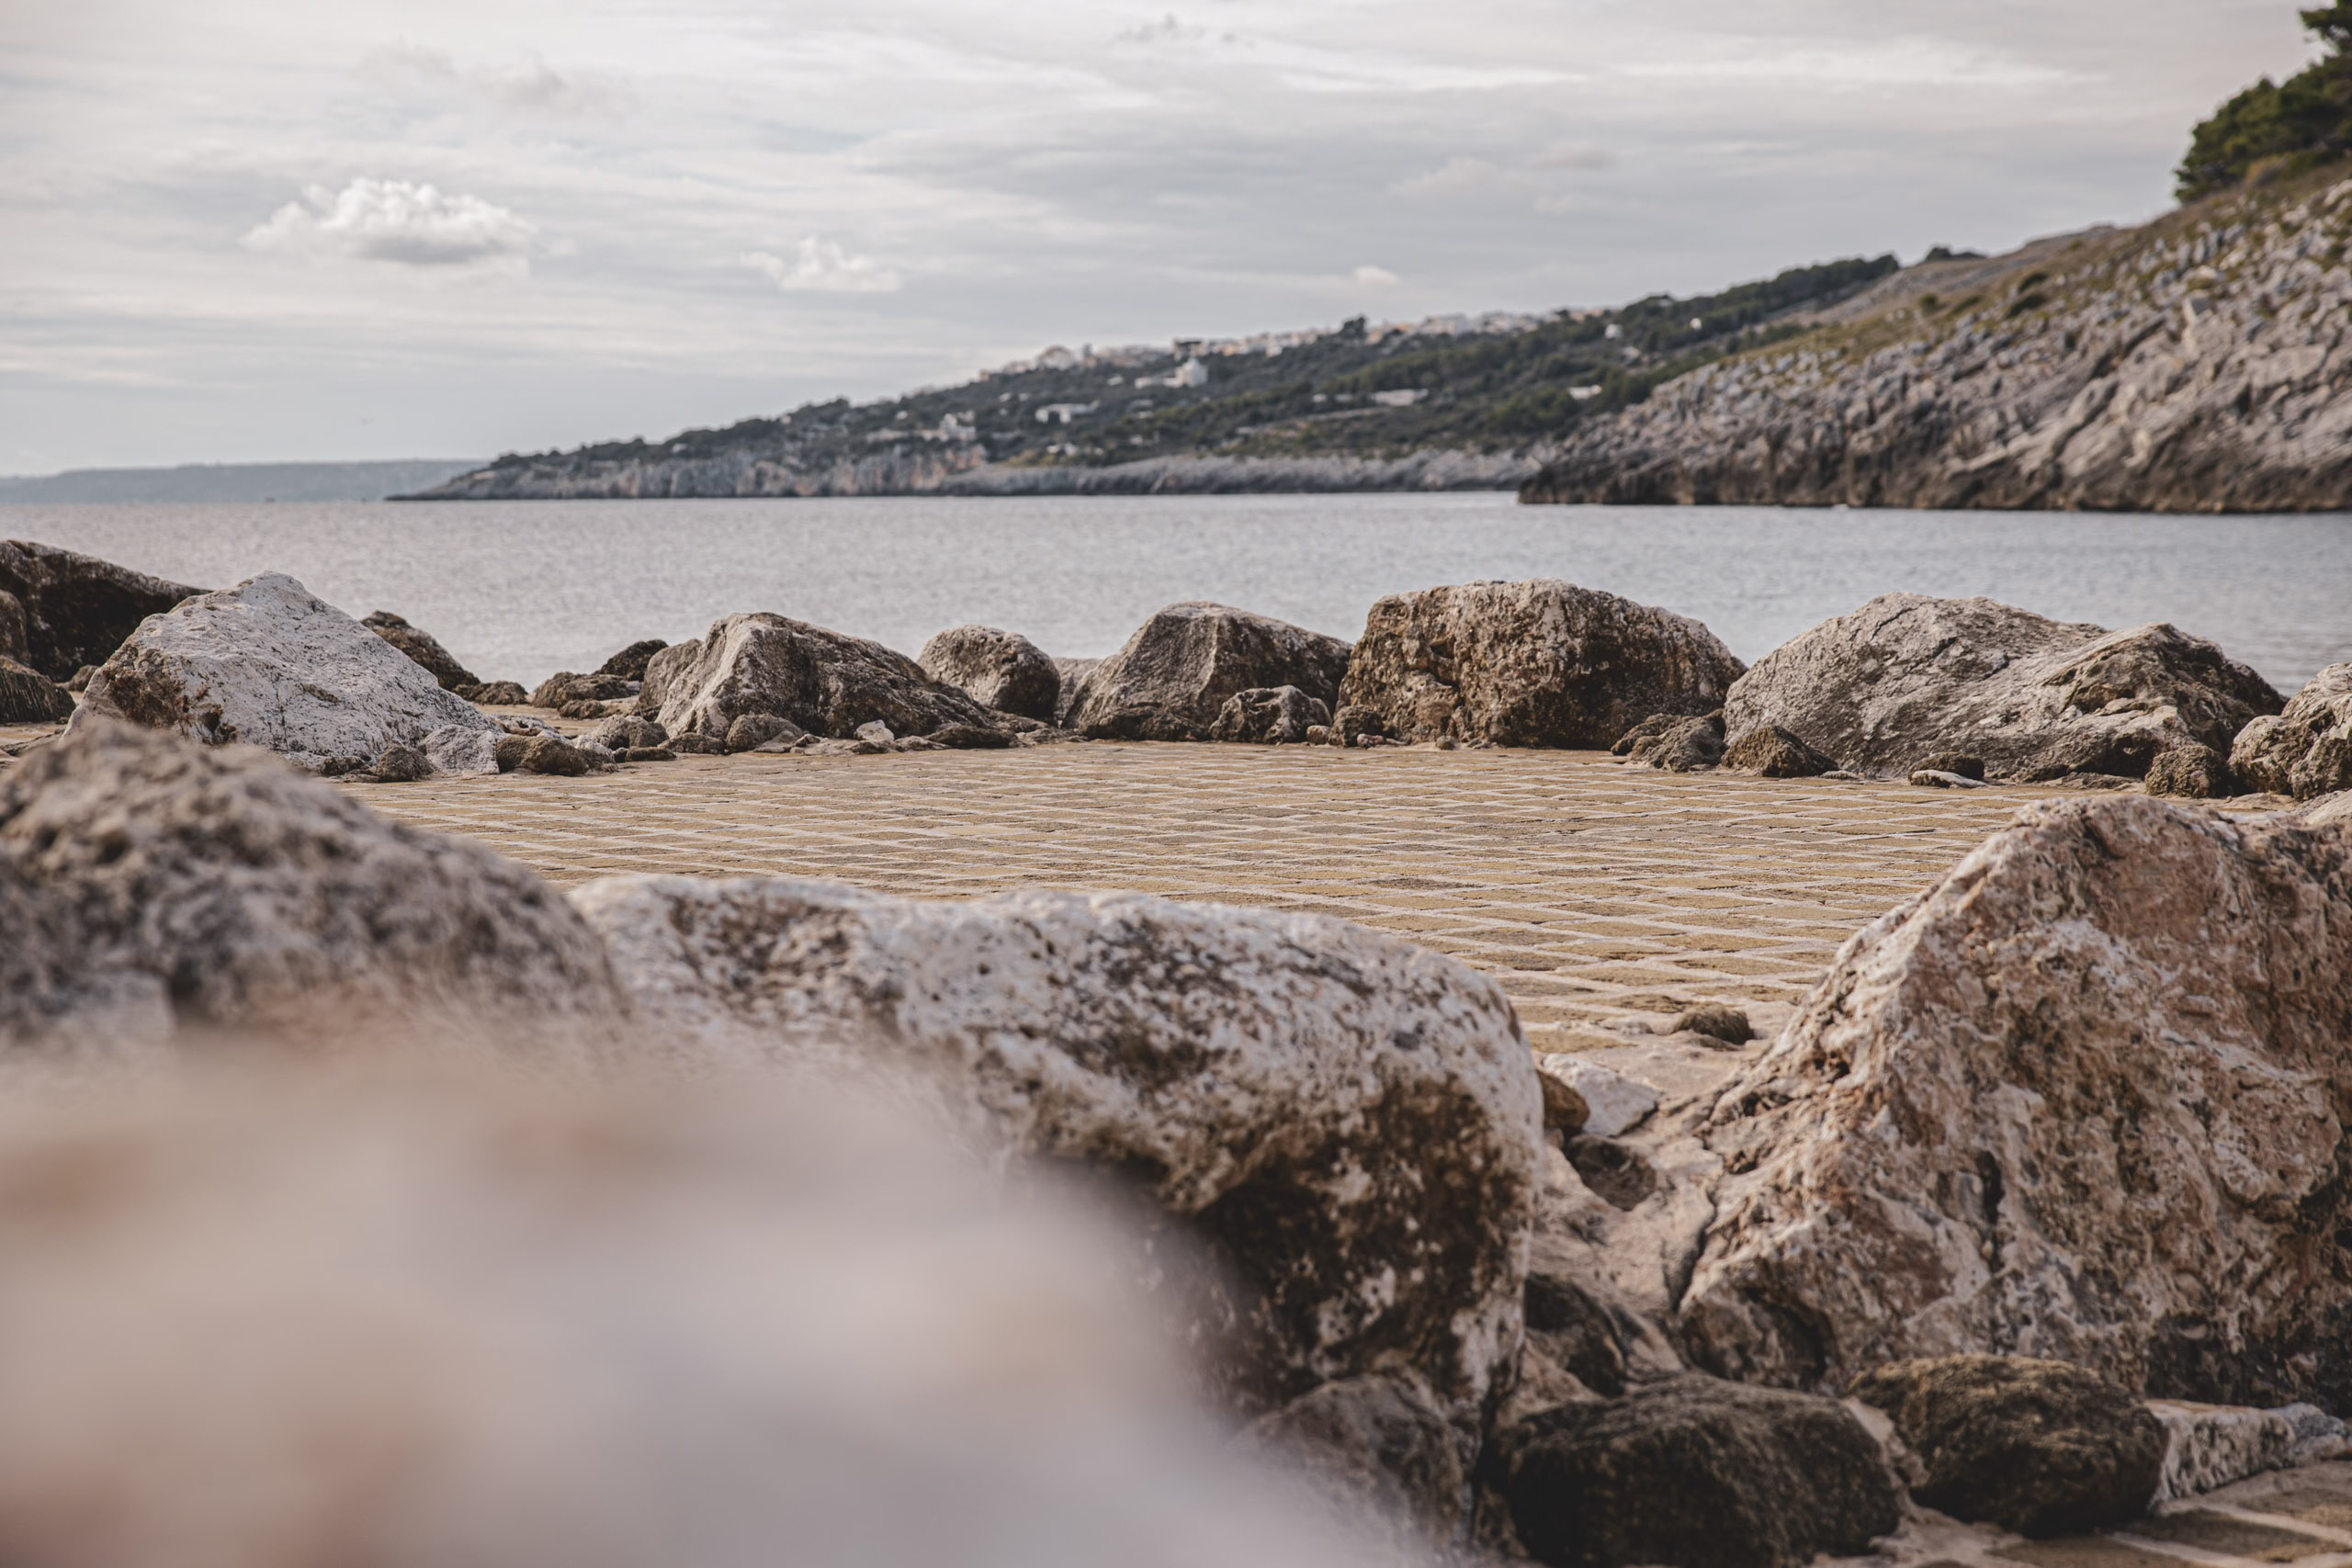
x=1605 y=897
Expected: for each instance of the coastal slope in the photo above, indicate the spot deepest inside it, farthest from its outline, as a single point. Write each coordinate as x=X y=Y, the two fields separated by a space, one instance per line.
x=1447 y=403
x=2196 y=364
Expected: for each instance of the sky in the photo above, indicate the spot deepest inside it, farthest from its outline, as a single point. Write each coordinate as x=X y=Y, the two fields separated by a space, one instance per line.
x=281 y=230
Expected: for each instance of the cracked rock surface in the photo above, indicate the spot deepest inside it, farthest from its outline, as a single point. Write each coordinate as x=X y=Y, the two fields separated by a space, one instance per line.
x=2085 y=1101
x=268 y=663
x=1347 y=1124
x=2193 y=365
x=1908 y=679
x=151 y=890
x=1535 y=663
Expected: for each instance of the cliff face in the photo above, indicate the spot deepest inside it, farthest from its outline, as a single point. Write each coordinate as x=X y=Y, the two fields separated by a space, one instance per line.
x=899 y=470
x=965 y=470
x=2198 y=364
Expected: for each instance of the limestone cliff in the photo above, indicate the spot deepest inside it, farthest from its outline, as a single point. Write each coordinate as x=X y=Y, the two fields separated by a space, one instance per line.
x=2198 y=364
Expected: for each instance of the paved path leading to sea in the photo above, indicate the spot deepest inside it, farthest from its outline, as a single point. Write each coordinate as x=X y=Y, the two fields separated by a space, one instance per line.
x=1599 y=894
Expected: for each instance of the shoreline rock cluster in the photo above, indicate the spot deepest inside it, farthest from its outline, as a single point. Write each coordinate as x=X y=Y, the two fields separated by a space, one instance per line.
x=1943 y=692
x=2055 y=1140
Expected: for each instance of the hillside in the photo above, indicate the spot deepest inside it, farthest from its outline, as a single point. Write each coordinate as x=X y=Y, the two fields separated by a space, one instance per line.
x=232 y=482
x=2198 y=364
x=1354 y=407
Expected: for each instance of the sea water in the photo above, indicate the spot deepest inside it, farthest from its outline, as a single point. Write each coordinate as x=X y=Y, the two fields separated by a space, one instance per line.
x=518 y=590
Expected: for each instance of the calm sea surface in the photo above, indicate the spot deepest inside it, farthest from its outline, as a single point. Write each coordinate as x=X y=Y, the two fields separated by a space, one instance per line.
x=518 y=590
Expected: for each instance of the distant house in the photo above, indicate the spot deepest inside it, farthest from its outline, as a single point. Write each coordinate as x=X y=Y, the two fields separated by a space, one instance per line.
x=1191 y=373
x=1065 y=412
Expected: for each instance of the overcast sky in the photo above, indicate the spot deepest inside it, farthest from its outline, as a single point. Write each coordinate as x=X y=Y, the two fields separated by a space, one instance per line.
x=254 y=230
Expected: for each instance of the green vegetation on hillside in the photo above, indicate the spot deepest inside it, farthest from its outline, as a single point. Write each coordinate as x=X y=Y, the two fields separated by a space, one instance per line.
x=2302 y=121
x=1350 y=392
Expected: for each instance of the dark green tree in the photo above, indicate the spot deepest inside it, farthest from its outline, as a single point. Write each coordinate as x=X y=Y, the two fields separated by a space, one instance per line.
x=2307 y=118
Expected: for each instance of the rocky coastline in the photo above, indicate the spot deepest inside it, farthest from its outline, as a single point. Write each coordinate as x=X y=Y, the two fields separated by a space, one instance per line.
x=2023 y=1225
x=967 y=471
x=2192 y=365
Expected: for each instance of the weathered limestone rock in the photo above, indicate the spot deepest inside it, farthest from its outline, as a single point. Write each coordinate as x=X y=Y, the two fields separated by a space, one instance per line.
x=77 y=609
x=1774 y=754
x=1907 y=677
x=551 y=753
x=267 y=664
x=150 y=887
x=1347 y=1124
x=1173 y=676
x=2192 y=772
x=497 y=693
x=566 y=687
x=1694 y=1474
x=2307 y=749
x=630 y=664
x=2036 y=1447
x=28 y=697
x=1270 y=716
x=1535 y=663
x=1613 y=1101
x=624 y=732
x=1001 y=670
x=820 y=681
x=422 y=647
x=2082 y=1100
x=16 y=631
x=1674 y=742
x=753 y=730
x=2208 y=1447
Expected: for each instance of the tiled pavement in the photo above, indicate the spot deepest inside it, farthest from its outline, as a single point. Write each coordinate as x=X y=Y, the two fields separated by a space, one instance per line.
x=1595 y=891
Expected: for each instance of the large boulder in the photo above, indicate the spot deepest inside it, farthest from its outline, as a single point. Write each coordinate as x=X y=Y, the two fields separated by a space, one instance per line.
x=1907 y=677
x=1534 y=664
x=28 y=697
x=2036 y=1447
x=1347 y=1124
x=1279 y=715
x=2085 y=1100
x=1001 y=670
x=1174 y=675
x=153 y=889
x=422 y=647
x=2307 y=749
x=630 y=664
x=257 y=1320
x=270 y=665
x=76 y=609
x=1694 y=1474
x=823 y=682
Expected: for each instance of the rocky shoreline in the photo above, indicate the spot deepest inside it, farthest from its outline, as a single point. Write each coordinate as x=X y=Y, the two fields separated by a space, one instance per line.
x=2193 y=365
x=967 y=471
x=2023 y=1225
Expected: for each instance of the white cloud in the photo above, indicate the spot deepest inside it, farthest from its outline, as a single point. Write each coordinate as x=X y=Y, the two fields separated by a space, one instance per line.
x=822 y=266
x=1375 y=277
x=528 y=86
x=1462 y=176
x=399 y=221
